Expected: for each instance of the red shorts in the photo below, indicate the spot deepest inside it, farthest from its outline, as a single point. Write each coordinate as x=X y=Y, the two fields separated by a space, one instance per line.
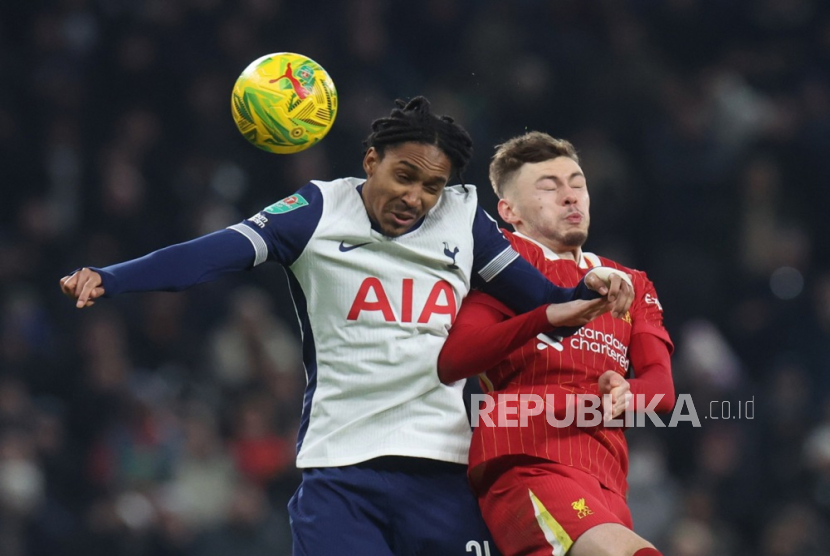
x=537 y=507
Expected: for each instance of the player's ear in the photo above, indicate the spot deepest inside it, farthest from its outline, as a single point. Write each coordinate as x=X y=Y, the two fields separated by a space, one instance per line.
x=506 y=212
x=370 y=161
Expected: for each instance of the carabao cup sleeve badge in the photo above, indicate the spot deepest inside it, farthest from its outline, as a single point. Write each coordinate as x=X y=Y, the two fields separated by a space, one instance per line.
x=287 y=205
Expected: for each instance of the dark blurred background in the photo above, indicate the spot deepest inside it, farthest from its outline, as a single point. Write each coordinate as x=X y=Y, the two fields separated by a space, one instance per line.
x=164 y=424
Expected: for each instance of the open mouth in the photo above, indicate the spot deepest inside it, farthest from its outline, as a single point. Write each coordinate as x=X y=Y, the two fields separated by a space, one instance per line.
x=402 y=218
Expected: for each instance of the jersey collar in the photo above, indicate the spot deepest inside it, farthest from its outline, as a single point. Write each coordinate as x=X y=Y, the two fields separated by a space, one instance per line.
x=586 y=260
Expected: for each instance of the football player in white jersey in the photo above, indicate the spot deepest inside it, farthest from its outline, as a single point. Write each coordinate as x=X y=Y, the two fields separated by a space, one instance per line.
x=378 y=268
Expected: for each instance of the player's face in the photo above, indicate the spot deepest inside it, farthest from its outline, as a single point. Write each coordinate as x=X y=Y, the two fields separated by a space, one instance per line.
x=403 y=185
x=549 y=202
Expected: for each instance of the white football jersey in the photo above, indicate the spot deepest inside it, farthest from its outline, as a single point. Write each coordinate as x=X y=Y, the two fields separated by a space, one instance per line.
x=374 y=313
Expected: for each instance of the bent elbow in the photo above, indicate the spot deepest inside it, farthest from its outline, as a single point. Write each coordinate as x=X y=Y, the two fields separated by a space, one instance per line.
x=445 y=376
x=666 y=403
x=447 y=370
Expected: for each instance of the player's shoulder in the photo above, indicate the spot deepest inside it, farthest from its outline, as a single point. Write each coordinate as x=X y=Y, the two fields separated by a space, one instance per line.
x=333 y=193
x=341 y=182
x=461 y=193
x=528 y=248
x=596 y=260
x=461 y=189
x=517 y=240
x=336 y=185
x=307 y=195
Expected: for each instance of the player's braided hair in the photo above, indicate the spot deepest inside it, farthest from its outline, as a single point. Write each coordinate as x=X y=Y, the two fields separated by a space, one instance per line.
x=413 y=121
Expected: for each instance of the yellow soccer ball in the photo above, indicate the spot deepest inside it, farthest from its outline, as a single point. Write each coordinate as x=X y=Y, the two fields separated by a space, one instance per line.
x=284 y=102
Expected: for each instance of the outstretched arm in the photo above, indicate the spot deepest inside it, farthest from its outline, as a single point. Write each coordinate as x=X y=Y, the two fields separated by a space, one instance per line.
x=522 y=287
x=172 y=268
x=502 y=273
x=484 y=332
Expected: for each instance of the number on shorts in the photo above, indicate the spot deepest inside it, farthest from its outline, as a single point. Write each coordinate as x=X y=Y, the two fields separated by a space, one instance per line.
x=474 y=546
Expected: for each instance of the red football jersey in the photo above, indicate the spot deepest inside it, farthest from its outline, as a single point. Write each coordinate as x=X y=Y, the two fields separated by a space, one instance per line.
x=543 y=366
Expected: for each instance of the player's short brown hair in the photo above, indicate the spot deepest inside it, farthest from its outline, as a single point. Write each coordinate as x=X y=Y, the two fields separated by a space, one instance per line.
x=531 y=147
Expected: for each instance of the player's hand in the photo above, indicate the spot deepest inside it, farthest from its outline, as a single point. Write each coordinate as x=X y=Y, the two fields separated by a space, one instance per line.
x=577 y=312
x=614 y=288
x=610 y=382
x=84 y=286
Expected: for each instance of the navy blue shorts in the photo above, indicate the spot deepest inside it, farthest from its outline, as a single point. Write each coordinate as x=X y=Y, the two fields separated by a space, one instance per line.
x=388 y=506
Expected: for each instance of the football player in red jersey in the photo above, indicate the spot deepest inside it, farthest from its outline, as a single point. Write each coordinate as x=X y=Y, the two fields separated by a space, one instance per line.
x=384 y=466
x=547 y=489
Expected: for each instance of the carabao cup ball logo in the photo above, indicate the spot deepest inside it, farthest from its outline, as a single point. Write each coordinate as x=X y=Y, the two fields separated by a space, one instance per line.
x=284 y=102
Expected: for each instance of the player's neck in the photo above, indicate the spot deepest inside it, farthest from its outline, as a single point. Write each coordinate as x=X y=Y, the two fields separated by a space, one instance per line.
x=566 y=252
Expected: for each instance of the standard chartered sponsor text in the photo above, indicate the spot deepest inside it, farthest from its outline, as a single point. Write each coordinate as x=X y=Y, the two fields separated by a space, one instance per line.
x=603 y=343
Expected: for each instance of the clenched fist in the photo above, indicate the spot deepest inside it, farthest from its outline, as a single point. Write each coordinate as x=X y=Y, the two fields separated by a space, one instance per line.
x=84 y=286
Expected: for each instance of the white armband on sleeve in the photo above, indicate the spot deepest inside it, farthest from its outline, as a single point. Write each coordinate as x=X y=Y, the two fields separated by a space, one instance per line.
x=260 y=248
x=499 y=263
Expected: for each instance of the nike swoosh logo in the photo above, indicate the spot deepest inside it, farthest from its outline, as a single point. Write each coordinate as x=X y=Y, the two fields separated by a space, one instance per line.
x=345 y=248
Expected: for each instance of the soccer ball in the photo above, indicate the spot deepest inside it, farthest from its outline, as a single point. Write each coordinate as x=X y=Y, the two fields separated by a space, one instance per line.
x=284 y=102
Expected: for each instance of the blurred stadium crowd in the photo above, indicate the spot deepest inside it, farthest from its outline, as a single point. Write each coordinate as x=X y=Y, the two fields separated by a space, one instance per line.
x=165 y=424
